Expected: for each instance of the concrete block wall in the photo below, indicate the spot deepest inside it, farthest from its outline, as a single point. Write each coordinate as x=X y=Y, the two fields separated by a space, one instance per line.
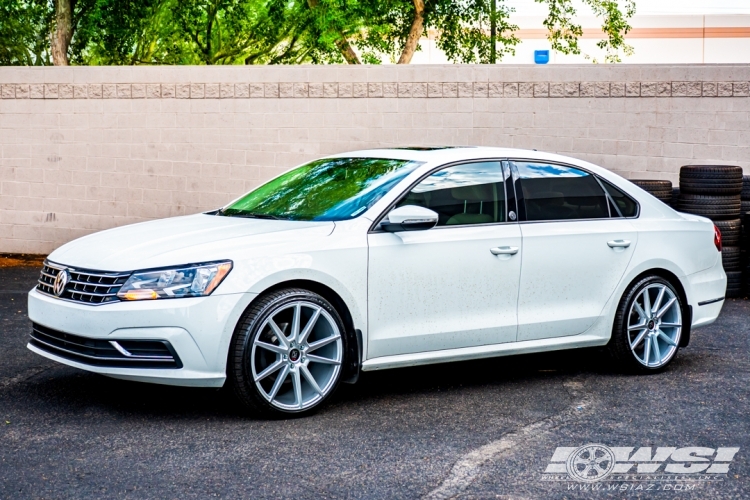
x=85 y=149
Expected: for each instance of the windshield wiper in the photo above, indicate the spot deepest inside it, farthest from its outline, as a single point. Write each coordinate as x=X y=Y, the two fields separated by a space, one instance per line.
x=251 y=215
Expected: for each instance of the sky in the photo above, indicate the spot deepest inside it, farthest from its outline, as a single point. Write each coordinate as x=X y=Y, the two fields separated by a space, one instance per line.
x=649 y=7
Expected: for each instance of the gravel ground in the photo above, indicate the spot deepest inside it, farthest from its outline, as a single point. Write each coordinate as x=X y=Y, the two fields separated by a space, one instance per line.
x=470 y=430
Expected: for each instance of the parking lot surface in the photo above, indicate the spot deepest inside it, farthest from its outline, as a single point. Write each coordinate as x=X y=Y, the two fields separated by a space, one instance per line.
x=469 y=430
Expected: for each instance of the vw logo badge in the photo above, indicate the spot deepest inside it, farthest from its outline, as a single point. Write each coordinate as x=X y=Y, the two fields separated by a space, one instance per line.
x=61 y=281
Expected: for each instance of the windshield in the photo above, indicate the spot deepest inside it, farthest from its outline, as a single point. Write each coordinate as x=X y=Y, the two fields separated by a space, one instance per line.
x=324 y=190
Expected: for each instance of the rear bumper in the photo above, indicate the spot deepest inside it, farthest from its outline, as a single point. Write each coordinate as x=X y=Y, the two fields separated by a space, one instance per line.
x=706 y=291
x=199 y=331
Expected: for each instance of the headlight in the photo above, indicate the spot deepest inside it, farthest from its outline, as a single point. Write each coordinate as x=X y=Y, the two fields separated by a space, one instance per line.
x=196 y=280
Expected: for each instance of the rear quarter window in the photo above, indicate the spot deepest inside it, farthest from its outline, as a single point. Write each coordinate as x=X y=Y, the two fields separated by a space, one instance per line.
x=625 y=206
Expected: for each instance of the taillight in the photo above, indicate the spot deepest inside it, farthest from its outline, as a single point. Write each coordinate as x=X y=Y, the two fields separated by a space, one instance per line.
x=717 y=238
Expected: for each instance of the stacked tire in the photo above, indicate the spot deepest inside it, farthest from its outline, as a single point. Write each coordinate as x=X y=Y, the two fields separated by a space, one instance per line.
x=745 y=238
x=660 y=189
x=714 y=191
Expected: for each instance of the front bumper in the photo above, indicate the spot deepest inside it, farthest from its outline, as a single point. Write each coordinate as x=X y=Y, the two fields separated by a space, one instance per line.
x=198 y=329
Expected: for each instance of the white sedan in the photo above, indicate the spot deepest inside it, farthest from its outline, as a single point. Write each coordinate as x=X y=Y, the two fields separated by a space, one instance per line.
x=383 y=259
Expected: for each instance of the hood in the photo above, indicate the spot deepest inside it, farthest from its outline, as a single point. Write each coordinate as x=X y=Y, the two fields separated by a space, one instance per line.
x=182 y=240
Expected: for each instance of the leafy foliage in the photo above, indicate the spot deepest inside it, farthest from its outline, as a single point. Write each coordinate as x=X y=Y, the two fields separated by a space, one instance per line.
x=126 y=32
x=563 y=33
x=24 y=30
x=464 y=30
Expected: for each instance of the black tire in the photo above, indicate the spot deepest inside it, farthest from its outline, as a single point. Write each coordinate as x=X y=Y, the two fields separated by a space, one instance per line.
x=713 y=207
x=711 y=172
x=745 y=195
x=652 y=185
x=675 y=197
x=720 y=187
x=730 y=258
x=659 y=189
x=239 y=371
x=745 y=206
x=619 y=343
x=734 y=284
x=730 y=231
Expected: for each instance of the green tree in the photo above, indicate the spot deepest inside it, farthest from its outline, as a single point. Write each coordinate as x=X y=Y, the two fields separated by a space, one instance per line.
x=24 y=32
x=283 y=31
x=563 y=32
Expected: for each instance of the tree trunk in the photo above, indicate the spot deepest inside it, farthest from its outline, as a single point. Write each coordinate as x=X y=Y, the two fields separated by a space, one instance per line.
x=347 y=51
x=63 y=33
x=342 y=43
x=415 y=33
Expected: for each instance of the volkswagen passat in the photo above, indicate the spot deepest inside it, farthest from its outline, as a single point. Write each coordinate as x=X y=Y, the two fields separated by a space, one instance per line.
x=383 y=259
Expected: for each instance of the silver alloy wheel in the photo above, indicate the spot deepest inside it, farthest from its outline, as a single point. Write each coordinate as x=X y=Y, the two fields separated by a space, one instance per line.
x=296 y=356
x=654 y=325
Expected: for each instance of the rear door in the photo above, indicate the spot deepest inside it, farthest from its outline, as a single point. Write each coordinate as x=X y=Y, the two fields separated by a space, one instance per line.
x=577 y=245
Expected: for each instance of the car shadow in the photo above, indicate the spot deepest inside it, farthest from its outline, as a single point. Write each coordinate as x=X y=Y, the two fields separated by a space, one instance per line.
x=61 y=389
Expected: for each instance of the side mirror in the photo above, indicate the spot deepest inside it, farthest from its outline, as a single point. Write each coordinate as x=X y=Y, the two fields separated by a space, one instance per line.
x=409 y=218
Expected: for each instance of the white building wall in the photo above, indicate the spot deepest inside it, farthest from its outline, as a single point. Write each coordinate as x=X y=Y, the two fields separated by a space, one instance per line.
x=656 y=39
x=89 y=148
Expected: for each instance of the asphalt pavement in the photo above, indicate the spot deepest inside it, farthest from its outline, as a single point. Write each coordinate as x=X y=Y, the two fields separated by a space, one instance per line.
x=483 y=429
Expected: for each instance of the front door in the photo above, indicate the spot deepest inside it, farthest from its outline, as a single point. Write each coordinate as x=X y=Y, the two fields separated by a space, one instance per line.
x=452 y=286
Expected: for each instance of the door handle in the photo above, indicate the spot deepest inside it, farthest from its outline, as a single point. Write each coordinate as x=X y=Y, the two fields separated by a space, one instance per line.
x=504 y=250
x=618 y=243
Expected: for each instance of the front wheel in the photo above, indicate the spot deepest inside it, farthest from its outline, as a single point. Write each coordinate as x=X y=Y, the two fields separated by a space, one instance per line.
x=648 y=325
x=287 y=353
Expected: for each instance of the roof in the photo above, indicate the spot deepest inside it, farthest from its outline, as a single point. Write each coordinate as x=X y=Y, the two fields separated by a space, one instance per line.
x=445 y=154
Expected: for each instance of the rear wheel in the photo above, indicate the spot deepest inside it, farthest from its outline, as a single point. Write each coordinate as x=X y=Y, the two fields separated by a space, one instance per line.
x=287 y=353
x=648 y=326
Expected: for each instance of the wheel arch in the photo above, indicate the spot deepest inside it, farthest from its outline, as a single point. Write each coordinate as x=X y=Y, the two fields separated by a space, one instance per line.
x=675 y=281
x=354 y=354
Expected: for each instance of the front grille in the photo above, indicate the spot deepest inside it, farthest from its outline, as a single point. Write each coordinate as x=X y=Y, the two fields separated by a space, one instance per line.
x=86 y=286
x=107 y=353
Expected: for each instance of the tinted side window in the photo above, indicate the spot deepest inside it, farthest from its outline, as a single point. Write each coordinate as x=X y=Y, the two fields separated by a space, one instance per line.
x=471 y=193
x=625 y=206
x=556 y=192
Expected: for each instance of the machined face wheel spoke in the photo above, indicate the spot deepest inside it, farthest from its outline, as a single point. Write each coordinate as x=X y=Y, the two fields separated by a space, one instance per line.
x=320 y=343
x=271 y=347
x=639 y=326
x=295 y=322
x=655 y=308
x=272 y=368
x=310 y=379
x=641 y=313
x=309 y=327
x=646 y=301
x=318 y=359
x=285 y=371
x=297 y=384
x=638 y=339
x=279 y=380
x=647 y=351
x=659 y=298
x=657 y=351
x=666 y=338
x=279 y=334
x=666 y=307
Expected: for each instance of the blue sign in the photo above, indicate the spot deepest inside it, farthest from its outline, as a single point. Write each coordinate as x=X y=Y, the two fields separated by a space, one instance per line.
x=541 y=56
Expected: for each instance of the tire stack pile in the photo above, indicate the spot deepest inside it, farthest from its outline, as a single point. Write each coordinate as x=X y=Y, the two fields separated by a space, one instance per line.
x=745 y=241
x=713 y=191
x=660 y=189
